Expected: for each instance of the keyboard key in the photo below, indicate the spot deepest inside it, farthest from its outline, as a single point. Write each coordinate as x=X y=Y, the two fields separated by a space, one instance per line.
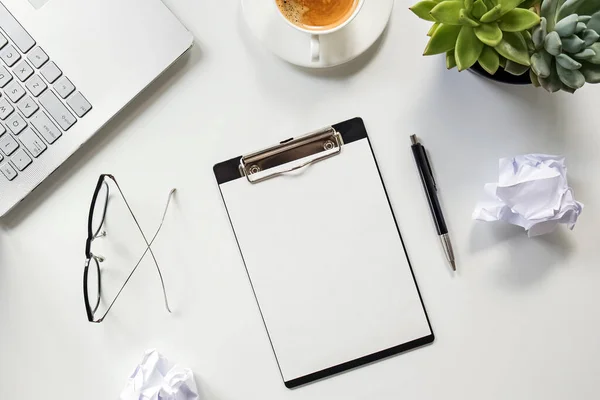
x=3 y=41
x=8 y=171
x=57 y=110
x=8 y=144
x=32 y=142
x=5 y=76
x=36 y=85
x=23 y=71
x=50 y=71
x=37 y=57
x=64 y=87
x=14 y=91
x=45 y=127
x=16 y=123
x=5 y=108
x=9 y=55
x=27 y=106
x=2 y=132
x=15 y=31
x=79 y=104
x=21 y=160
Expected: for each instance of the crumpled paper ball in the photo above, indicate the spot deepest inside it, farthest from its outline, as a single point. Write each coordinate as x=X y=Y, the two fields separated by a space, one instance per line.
x=156 y=379
x=532 y=192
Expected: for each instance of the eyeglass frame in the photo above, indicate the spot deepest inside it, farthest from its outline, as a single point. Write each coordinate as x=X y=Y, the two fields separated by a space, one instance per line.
x=98 y=259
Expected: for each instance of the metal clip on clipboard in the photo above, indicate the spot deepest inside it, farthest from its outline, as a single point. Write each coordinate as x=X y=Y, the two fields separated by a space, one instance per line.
x=291 y=155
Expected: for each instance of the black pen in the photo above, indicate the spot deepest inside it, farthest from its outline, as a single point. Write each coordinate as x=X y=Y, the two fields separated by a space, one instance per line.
x=431 y=191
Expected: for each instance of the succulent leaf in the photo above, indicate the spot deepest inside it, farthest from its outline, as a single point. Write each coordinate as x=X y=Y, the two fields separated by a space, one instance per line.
x=534 y=79
x=552 y=83
x=596 y=48
x=548 y=10
x=567 y=62
x=492 y=15
x=580 y=27
x=596 y=58
x=527 y=37
x=442 y=40
x=489 y=4
x=469 y=5
x=447 y=12
x=518 y=20
x=489 y=60
x=572 y=44
x=541 y=63
x=584 y=18
x=569 y=7
x=489 y=34
x=423 y=9
x=553 y=44
x=594 y=22
x=450 y=59
x=572 y=78
x=502 y=61
x=539 y=34
x=508 y=5
x=588 y=7
x=465 y=19
x=585 y=54
x=514 y=48
x=590 y=37
x=515 y=69
x=591 y=73
x=567 y=26
x=433 y=29
x=479 y=8
x=468 y=48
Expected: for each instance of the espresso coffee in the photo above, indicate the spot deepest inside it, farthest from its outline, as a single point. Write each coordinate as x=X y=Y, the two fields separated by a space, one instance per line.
x=317 y=15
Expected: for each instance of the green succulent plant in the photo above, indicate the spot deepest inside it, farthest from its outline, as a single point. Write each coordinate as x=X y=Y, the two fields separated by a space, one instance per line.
x=567 y=45
x=491 y=32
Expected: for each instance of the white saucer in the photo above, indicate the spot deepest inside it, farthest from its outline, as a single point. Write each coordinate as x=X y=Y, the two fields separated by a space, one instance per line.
x=336 y=48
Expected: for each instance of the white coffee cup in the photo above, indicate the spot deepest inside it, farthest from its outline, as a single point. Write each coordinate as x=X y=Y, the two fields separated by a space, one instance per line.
x=315 y=36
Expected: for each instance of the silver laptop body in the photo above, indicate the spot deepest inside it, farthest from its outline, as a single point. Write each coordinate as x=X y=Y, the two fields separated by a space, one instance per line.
x=66 y=68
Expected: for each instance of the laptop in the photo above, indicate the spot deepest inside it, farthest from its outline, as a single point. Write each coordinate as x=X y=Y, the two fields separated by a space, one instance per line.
x=66 y=68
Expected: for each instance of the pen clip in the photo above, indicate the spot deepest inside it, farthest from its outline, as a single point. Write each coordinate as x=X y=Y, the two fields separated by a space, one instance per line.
x=430 y=169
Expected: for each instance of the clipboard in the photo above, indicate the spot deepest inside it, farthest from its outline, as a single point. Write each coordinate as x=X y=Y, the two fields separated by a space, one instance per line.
x=323 y=253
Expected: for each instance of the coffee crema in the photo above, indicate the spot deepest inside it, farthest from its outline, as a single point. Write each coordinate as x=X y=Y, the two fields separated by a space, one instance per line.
x=317 y=15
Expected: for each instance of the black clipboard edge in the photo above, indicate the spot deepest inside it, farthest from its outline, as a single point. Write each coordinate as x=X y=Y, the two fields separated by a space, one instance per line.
x=359 y=362
x=351 y=130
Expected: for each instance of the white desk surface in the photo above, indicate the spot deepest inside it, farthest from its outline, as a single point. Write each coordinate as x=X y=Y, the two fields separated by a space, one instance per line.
x=519 y=320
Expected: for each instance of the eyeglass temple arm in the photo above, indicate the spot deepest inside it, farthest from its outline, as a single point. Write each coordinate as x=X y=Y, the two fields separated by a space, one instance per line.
x=148 y=249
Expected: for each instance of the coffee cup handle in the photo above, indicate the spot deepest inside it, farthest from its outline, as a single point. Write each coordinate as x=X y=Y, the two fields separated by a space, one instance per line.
x=315 y=48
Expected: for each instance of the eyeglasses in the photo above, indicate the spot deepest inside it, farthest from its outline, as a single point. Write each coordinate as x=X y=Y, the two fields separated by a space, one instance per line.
x=92 y=273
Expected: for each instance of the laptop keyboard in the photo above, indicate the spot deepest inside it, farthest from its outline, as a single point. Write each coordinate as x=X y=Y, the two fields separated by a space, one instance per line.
x=38 y=103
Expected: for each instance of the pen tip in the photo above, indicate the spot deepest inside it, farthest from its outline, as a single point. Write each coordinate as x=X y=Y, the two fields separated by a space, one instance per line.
x=453 y=263
x=413 y=139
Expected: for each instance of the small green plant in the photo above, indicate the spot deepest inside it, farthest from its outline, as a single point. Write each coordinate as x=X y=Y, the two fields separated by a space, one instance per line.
x=494 y=33
x=567 y=45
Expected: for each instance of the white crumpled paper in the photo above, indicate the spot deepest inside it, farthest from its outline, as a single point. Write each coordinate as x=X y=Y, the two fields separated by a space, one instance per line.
x=156 y=379
x=532 y=192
